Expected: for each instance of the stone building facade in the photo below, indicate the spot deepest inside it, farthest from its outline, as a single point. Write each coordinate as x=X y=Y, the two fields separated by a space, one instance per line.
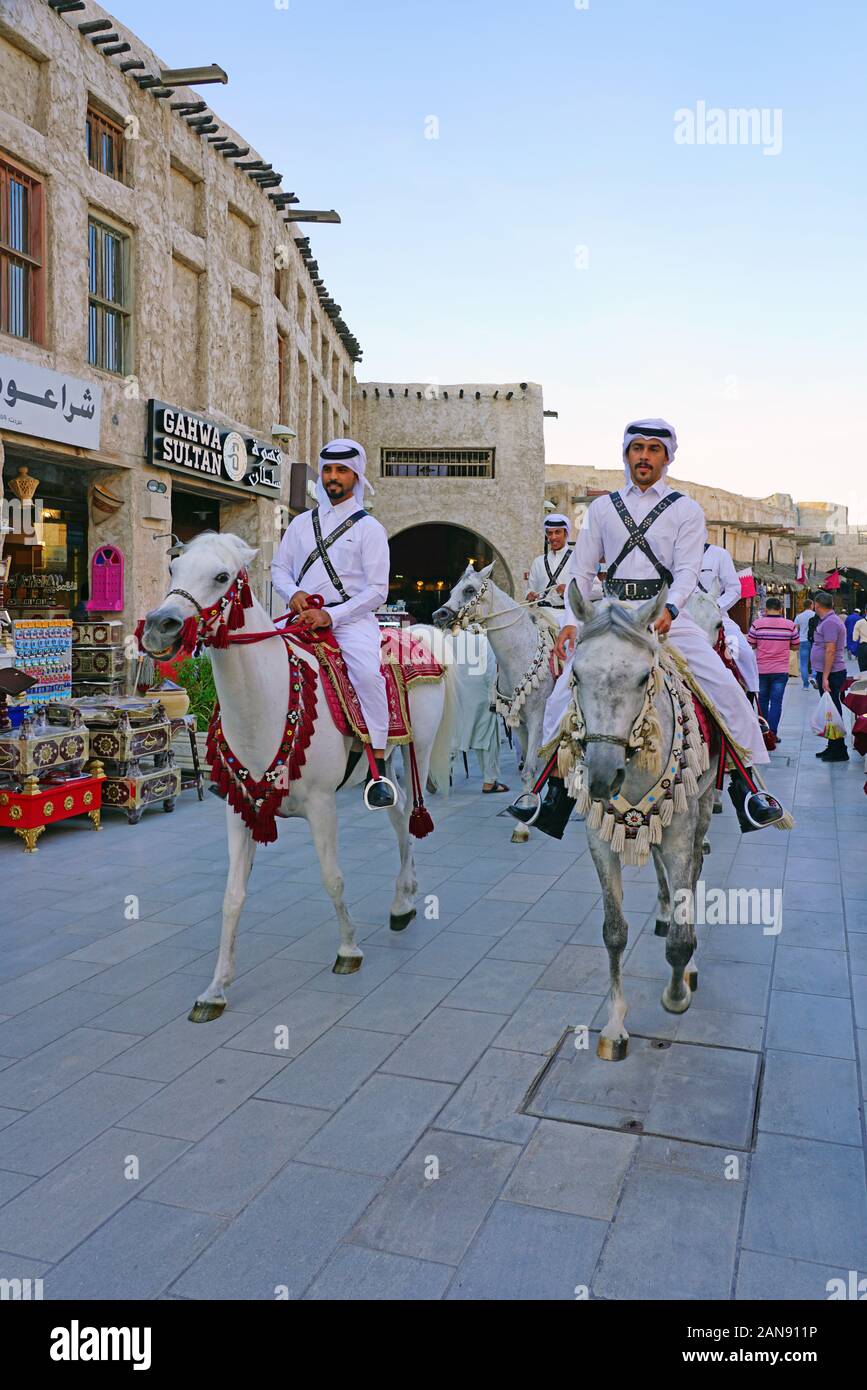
x=459 y=473
x=151 y=262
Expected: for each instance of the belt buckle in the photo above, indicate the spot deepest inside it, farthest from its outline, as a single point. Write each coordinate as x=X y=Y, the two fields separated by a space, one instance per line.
x=630 y=588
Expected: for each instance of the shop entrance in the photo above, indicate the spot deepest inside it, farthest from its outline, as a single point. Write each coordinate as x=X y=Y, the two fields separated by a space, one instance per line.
x=427 y=561
x=192 y=513
x=46 y=562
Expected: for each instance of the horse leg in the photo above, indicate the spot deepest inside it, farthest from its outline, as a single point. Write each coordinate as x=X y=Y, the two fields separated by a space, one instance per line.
x=242 y=848
x=402 y=909
x=678 y=851
x=321 y=814
x=705 y=811
x=520 y=834
x=663 y=903
x=613 y=1040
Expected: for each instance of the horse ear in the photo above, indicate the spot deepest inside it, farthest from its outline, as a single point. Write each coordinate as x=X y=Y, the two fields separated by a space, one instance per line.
x=648 y=613
x=579 y=606
x=486 y=572
x=714 y=590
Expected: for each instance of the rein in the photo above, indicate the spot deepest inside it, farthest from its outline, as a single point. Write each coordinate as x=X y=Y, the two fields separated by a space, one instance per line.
x=464 y=615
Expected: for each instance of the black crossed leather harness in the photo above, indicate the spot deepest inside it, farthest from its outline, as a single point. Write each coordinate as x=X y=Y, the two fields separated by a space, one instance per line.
x=543 y=600
x=637 y=540
x=322 y=547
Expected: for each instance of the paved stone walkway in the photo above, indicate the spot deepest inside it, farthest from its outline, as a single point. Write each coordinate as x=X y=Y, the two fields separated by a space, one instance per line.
x=360 y=1136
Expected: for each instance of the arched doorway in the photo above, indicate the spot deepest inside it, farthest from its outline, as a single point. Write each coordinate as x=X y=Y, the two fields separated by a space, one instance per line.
x=427 y=560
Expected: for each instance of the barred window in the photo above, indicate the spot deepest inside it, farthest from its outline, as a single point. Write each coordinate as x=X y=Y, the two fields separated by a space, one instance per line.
x=108 y=327
x=104 y=142
x=22 y=289
x=437 y=463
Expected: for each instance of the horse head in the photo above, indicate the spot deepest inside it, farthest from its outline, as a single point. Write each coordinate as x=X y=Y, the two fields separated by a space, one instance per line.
x=201 y=573
x=469 y=601
x=611 y=665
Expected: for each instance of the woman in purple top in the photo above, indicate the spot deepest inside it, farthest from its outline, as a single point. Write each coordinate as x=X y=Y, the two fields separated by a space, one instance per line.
x=828 y=660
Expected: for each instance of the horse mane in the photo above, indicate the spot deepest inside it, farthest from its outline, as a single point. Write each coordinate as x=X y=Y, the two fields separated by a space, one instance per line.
x=610 y=616
x=236 y=551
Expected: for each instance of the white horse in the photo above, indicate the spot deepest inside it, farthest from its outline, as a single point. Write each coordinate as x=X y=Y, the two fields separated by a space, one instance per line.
x=252 y=684
x=611 y=665
x=521 y=644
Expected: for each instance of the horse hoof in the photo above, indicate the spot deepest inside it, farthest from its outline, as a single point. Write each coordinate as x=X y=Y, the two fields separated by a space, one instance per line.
x=705 y=849
x=520 y=835
x=677 y=1006
x=398 y=921
x=717 y=808
x=206 y=1010
x=346 y=965
x=661 y=928
x=612 y=1049
x=690 y=979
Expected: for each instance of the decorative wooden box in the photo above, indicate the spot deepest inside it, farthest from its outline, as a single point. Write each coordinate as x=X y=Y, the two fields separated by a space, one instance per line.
x=122 y=733
x=38 y=747
x=29 y=811
x=99 y=662
x=107 y=634
x=133 y=794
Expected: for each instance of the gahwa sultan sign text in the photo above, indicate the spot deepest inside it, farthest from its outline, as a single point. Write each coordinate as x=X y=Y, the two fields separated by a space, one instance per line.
x=189 y=443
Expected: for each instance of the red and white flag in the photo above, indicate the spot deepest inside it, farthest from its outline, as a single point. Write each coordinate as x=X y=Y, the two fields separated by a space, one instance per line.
x=801 y=574
x=748 y=582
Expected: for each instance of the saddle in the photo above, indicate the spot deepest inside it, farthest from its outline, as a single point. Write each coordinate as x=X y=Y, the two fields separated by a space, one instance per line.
x=405 y=661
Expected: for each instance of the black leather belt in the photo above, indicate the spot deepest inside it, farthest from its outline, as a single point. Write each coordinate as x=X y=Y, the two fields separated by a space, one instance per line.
x=632 y=588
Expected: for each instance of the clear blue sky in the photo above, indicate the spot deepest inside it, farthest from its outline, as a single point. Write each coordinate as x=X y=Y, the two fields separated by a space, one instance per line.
x=725 y=289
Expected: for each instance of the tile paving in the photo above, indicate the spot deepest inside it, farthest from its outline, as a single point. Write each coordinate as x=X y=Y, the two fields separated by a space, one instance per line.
x=349 y=1137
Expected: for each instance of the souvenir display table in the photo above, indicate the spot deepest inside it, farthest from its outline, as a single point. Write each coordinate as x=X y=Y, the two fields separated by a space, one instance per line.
x=38 y=804
x=132 y=737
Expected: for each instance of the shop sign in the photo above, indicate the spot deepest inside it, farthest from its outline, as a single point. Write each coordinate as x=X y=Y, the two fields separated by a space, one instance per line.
x=189 y=443
x=50 y=405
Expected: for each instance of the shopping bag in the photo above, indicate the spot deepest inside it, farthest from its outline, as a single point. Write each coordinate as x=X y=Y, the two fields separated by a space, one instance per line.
x=826 y=722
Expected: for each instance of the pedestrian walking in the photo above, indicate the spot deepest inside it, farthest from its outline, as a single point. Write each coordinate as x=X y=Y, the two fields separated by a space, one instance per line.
x=851 y=620
x=828 y=661
x=773 y=637
x=477 y=727
x=802 y=623
x=859 y=635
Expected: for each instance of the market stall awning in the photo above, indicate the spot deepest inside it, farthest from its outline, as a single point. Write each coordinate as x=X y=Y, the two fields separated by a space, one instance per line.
x=785 y=576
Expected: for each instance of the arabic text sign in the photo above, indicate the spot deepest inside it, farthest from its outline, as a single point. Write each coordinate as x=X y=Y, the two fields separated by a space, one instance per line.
x=190 y=443
x=50 y=405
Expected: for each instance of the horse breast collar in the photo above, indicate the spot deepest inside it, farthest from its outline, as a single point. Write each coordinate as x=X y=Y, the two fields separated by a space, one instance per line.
x=637 y=532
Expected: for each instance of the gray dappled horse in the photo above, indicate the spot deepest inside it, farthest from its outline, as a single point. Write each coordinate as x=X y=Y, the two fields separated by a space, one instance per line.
x=611 y=665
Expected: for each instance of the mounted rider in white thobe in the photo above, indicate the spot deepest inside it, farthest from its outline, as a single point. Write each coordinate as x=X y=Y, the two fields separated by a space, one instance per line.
x=546 y=585
x=340 y=551
x=718 y=565
x=647 y=536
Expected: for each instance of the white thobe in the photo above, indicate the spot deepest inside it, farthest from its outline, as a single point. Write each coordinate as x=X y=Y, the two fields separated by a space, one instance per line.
x=361 y=559
x=554 y=604
x=677 y=539
x=718 y=565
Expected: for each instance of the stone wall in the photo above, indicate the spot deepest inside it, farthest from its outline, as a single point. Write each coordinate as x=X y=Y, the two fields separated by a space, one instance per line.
x=505 y=510
x=203 y=240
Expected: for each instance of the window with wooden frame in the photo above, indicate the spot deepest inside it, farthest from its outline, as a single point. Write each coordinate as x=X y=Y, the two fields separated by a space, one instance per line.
x=22 y=238
x=109 y=298
x=105 y=144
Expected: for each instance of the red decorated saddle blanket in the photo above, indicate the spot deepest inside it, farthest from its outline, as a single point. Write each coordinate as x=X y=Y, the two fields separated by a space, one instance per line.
x=406 y=660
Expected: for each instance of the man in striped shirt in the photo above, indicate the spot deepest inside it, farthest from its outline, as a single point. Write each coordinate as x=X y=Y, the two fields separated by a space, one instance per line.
x=773 y=637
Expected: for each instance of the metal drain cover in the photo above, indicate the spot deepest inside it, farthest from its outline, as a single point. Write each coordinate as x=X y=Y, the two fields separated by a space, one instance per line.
x=689 y=1091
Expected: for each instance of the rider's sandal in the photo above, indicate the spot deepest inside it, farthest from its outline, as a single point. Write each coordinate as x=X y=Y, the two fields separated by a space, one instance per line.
x=498 y=787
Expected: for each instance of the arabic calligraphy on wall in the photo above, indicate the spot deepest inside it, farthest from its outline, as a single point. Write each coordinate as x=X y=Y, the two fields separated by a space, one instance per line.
x=50 y=405
x=189 y=443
